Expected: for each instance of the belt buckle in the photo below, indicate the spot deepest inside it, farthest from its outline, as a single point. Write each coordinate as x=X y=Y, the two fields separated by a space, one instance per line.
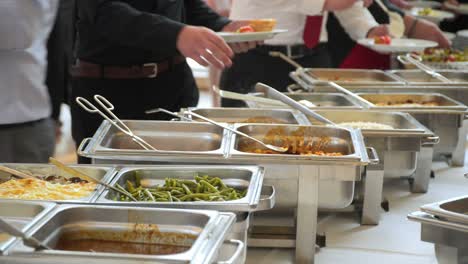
x=155 y=69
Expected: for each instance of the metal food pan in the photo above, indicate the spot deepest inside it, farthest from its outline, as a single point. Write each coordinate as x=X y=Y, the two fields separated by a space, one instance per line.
x=446 y=104
x=417 y=77
x=240 y=177
x=23 y=215
x=170 y=138
x=402 y=123
x=340 y=140
x=241 y=115
x=102 y=173
x=350 y=76
x=321 y=100
x=453 y=210
x=209 y=227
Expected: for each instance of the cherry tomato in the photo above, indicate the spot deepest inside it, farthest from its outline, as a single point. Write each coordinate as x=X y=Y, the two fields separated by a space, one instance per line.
x=245 y=29
x=384 y=40
x=451 y=58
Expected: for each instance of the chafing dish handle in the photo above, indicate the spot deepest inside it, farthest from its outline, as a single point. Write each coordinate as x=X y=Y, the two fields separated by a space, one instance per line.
x=305 y=86
x=373 y=157
x=239 y=248
x=431 y=140
x=425 y=218
x=465 y=117
x=268 y=202
x=82 y=150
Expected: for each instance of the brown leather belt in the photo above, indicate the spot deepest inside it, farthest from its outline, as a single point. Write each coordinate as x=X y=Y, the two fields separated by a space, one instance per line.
x=83 y=69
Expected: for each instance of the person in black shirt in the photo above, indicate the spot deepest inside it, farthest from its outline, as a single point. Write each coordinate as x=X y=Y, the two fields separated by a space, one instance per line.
x=133 y=53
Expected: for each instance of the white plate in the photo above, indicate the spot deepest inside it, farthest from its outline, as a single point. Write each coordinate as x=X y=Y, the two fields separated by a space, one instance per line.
x=463 y=33
x=398 y=45
x=449 y=35
x=420 y=3
x=461 y=9
x=436 y=16
x=230 y=37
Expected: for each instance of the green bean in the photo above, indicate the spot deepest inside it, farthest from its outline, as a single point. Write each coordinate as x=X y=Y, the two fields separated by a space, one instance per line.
x=130 y=186
x=149 y=195
x=186 y=189
x=210 y=187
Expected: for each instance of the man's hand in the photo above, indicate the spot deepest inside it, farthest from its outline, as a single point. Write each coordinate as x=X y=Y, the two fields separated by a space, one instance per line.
x=204 y=46
x=336 y=5
x=240 y=47
x=380 y=30
x=429 y=31
x=403 y=4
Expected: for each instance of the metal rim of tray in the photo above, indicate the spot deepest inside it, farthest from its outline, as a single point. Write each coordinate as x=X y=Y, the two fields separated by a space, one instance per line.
x=436 y=210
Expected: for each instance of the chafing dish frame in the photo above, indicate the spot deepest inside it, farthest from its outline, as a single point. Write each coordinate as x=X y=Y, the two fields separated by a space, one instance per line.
x=403 y=76
x=437 y=209
x=449 y=238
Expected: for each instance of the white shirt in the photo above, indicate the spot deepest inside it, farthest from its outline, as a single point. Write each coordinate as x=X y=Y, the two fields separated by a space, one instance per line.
x=292 y=14
x=24 y=28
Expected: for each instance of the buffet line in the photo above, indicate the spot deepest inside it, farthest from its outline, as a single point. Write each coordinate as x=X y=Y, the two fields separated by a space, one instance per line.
x=204 y=191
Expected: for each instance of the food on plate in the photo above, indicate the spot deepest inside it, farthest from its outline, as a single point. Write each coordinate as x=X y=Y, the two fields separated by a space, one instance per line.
x=408 y=103
x=297 y=142
x=366 y=125
x=262 y=25
x=426 y=12
x=48 y=188
x=263 y=120
x=141 y=239
x=202 y=188
x=383 y=40
x=245 y=29
x=444 y=55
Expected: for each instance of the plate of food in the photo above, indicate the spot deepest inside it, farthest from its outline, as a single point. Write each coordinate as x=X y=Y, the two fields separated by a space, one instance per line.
x=257 y=30
x=439 y=58
x=424 y=4
x=460 y=9
x=385 y=44
x=430 y=14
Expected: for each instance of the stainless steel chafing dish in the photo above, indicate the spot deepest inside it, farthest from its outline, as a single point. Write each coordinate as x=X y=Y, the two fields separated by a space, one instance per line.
x=344 y=77
x=402 y=153
x=102 y=173
x=417 y=77
x=445 y=224
x=445 y=120
x=209 y=228
x=241 y=115
x=23 y=215
x=242 y=177
x=320 y=100
x=451 y=91
x=296 y=178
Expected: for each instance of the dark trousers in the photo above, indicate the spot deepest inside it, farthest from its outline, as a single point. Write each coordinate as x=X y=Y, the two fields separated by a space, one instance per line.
x=257 y=66
x=131 y=98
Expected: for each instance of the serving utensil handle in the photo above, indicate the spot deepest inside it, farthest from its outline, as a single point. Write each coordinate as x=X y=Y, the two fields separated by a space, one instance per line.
x=268 y=202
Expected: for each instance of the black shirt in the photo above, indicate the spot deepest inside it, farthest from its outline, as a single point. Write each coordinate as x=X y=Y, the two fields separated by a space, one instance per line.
x=128 y=32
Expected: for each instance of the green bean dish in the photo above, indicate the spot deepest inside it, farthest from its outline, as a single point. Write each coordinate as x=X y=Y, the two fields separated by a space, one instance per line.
x=202 y=188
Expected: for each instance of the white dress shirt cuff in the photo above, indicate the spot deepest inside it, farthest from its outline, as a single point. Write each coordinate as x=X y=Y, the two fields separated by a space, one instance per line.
x=356 y=21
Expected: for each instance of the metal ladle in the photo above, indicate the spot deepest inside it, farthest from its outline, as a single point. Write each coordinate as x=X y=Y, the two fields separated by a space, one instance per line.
x=27 y=240
x=273 y=93
x=268 y=146
x=310 y=79
x=414 y=59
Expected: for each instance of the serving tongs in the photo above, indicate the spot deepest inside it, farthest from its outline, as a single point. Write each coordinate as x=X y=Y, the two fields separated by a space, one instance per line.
x=188 y=112
x=415 y=60
x=273 y=93
x=18 y=173
x=312 y=80
x=79 y=174
x=112 y=118
x=27 y=240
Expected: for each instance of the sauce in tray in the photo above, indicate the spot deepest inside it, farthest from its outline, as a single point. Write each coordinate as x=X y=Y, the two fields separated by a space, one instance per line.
x=94 y=245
